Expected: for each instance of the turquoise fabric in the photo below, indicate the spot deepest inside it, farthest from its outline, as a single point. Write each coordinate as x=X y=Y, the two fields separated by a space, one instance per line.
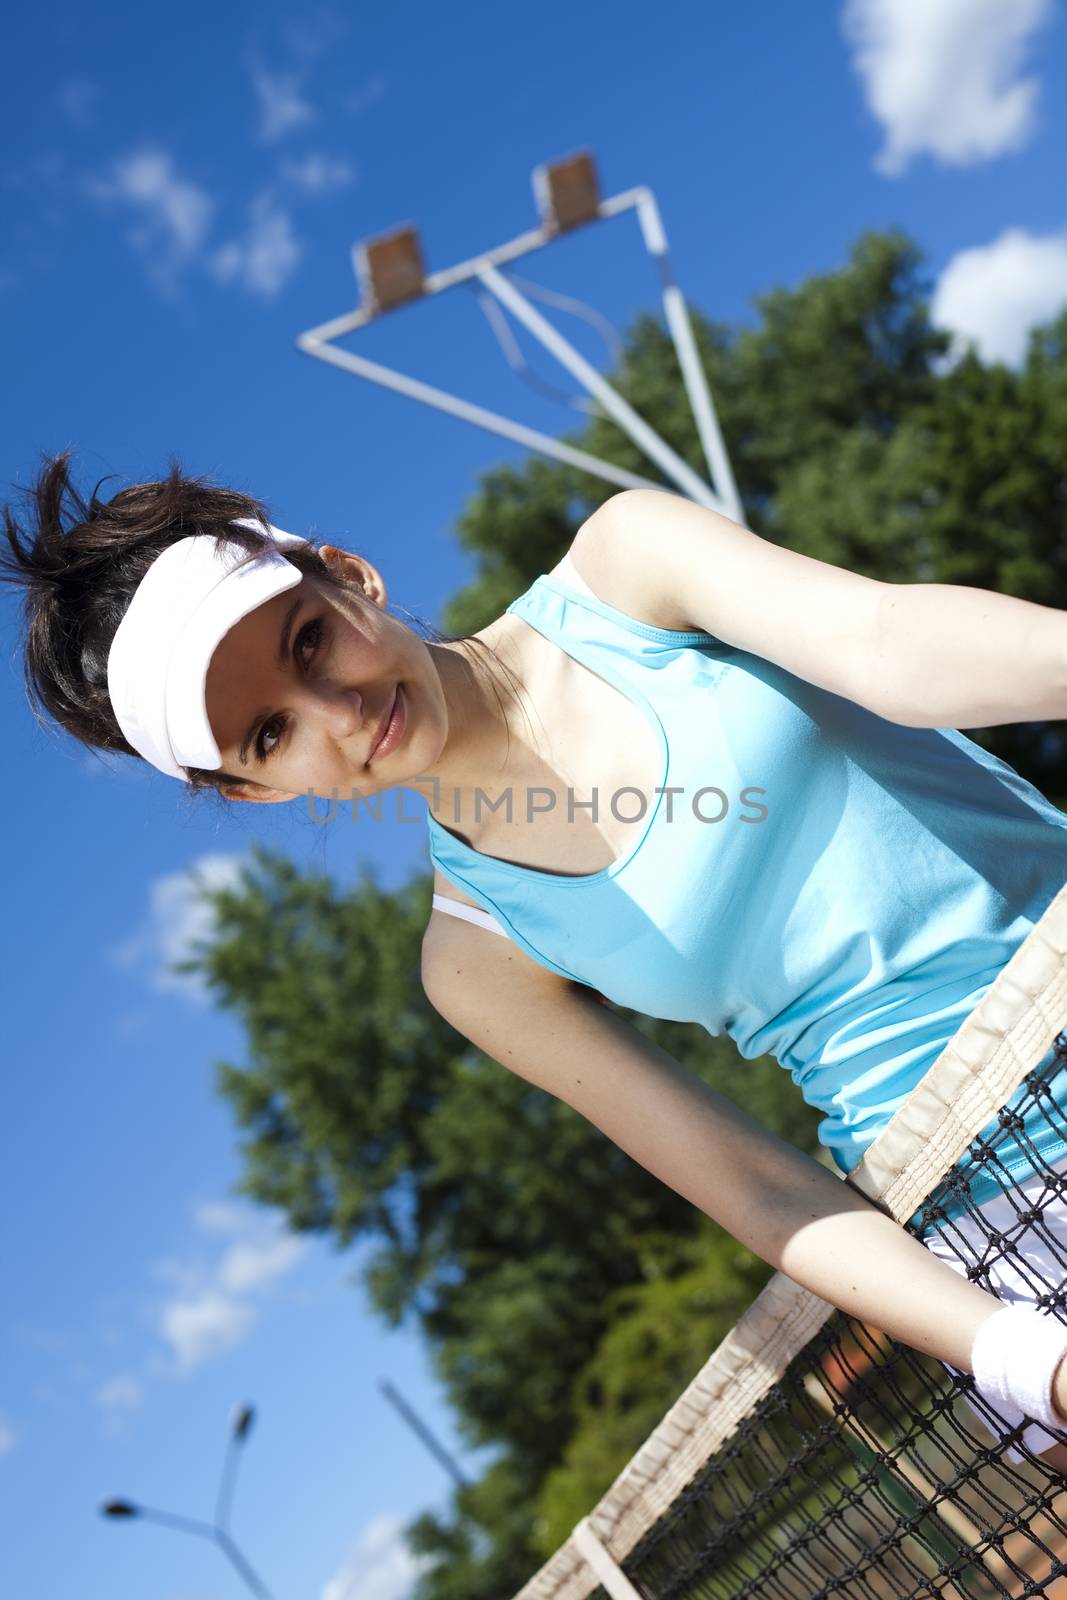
x=862 y=888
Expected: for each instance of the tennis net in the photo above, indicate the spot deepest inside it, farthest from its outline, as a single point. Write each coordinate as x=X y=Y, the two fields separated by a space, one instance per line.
x=814 y=1457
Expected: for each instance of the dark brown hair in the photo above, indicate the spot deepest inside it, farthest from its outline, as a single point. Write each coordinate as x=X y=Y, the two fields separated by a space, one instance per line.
x=79 y=564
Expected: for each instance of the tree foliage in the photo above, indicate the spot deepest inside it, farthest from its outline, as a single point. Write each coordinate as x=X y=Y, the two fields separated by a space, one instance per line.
x=566 y=1295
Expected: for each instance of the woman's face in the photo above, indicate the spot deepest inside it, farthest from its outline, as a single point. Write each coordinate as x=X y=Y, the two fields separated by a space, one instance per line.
x=295 y=702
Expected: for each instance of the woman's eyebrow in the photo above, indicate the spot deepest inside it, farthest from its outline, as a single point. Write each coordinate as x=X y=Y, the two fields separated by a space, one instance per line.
x=280 y=660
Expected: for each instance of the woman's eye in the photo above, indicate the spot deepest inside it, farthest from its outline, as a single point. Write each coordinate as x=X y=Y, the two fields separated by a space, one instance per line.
x=264 y=732
x=311 y=633
x=312 y=630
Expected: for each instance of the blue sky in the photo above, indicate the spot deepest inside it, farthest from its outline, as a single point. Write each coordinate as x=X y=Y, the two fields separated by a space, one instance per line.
x=181 y=193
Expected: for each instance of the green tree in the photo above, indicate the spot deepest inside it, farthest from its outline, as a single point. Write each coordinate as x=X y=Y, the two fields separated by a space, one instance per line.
x=853 y=440
x=565 y=1294
x=693 y=1290
x=501 y=1222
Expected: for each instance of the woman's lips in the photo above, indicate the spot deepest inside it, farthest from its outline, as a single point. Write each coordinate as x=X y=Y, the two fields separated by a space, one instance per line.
x=394 y=728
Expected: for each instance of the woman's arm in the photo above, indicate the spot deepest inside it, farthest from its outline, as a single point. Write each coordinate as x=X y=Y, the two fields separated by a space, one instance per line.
x=770 y=1196
x=928 y=655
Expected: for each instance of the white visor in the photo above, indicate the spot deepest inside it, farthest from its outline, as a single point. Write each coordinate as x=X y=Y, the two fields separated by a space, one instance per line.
x=187 y=601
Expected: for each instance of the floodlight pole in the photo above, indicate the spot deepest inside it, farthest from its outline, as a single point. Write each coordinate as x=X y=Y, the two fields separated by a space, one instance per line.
x=721 y=494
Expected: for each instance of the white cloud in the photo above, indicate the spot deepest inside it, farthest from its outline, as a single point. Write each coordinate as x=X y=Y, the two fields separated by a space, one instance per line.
x=316 y=174
x=380 y=1566
x=200 y=1326
x=944 y=77
x=246 y=1267
x=178 y=918
x=173 y=217
x=211 y=1308
x=173 y=214
x=995 y=293
x=267 y=254
x=282 y=106
x=8 y=1437
x=281 y=96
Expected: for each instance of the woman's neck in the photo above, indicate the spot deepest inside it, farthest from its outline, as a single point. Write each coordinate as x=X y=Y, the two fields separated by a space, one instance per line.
x=496 y=740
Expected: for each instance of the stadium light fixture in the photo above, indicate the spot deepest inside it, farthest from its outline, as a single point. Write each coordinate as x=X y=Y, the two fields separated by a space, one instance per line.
x=390 y=272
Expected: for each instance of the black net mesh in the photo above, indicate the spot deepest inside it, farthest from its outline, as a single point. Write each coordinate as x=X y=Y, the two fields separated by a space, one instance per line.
x=874 y=1472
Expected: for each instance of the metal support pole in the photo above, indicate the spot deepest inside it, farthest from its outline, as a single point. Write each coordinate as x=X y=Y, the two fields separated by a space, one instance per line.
x=481 y=418
x=618 y=409
x=693 y=374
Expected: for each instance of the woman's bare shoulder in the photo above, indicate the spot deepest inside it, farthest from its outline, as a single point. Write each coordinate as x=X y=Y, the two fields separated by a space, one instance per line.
x=610 y=574
x=461 y=956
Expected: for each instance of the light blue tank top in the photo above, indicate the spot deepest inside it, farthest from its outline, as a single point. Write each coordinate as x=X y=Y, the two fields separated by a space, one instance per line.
x=821 y=884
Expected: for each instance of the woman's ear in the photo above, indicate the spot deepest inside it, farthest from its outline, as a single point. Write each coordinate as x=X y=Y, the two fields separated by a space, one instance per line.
x=259 y=793
x=344 y=564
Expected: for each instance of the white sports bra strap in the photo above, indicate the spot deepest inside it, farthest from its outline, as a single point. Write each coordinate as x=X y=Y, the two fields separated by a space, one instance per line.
x=456 y=908
x=570 y=574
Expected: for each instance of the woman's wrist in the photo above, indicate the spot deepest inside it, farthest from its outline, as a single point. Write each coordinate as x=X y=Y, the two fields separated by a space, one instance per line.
x=1018 y=1363
x=1059 y=1391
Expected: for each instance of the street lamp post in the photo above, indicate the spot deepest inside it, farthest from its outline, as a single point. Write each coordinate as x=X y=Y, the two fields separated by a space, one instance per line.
x=219 y=1530
x=415 y=1422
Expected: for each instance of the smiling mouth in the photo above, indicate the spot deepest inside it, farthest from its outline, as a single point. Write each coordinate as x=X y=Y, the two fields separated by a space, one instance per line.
x=393 y=728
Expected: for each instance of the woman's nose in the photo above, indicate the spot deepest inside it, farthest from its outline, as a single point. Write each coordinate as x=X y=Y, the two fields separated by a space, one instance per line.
x=342 y=710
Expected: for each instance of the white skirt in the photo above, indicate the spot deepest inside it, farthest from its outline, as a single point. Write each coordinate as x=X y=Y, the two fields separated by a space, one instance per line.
x=1029 y=1259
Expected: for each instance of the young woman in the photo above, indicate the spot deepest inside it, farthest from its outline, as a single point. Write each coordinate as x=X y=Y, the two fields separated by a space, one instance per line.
x=705 y=777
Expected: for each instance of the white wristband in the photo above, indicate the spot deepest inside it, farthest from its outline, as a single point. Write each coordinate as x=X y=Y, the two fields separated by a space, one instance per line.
x=1014 y=1359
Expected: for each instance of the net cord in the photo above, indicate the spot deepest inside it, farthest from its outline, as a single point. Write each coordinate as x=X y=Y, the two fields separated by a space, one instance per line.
x=1005 y=1036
